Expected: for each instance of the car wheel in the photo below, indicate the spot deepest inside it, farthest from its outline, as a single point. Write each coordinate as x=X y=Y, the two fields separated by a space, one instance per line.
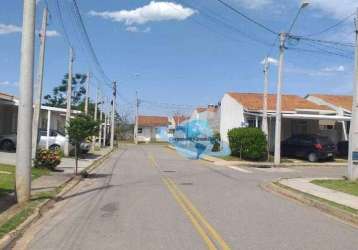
x=7 y=145
x=332 y=158
x=55 y=147
x=312 y=157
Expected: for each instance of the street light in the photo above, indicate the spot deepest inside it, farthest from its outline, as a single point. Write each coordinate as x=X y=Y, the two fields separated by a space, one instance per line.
x=283 y=37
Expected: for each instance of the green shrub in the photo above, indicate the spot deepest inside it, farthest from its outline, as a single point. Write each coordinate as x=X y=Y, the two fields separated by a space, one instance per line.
x=215 y=140
x=47 y=159
x=248 y=143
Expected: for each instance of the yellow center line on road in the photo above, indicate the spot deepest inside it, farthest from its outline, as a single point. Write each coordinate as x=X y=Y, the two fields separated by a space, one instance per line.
x=210 y=245
x=210 y=229
x=202 y=226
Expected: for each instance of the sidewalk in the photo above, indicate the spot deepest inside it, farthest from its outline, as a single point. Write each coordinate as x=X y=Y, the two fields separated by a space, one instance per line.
x=58 y=178
x=47 y=183
x=304 y=185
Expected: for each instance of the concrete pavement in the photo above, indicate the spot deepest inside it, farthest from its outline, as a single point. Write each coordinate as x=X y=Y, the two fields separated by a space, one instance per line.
x=148 y=197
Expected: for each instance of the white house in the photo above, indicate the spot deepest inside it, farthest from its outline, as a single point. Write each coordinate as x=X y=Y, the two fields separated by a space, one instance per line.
x=152 y=129
x=211 y=114
x=299 y=115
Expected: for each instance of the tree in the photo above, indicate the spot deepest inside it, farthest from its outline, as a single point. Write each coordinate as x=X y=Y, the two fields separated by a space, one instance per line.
x=79 y=129
x=58 y=97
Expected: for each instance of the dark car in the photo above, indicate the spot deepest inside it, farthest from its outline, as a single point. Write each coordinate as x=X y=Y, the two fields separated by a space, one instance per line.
x=310 y=147
x=342 y=148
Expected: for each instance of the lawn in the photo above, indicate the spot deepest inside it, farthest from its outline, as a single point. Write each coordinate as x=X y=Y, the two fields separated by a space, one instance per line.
x=345 y=186
x=7 y=177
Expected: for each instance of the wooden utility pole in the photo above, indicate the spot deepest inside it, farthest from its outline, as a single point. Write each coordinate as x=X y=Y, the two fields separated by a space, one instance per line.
x=69 y=99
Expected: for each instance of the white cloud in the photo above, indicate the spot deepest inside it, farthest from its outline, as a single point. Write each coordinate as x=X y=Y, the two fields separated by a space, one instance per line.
x=6 y=29
x=253 y=4
x=135 y=29
x=8 y=83
x=337 y=8
x=339 y=68
x=52 y=33
x=153 y=12
x=9 y=28
x=270 y=60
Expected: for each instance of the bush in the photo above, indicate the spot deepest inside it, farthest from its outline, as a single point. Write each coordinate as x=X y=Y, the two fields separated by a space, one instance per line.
x=248 y=143
x=215 y=140
x=47 y=159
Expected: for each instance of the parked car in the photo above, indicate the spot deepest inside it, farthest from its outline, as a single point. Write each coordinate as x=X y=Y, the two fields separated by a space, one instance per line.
x=310 y=147
x=8 y=142
x=342 y=148
x=56 y=141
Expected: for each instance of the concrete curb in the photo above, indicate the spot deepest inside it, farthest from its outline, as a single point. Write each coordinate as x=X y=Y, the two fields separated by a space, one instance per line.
x=313 y=201
x=11 y=237
x=223 y=162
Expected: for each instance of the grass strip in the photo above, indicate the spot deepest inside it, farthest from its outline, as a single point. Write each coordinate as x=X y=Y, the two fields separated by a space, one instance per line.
x=312 y=197
x=349 y=187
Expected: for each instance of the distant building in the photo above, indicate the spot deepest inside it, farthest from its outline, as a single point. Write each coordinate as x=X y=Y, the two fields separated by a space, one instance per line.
x=211 y=114
x=152 y=129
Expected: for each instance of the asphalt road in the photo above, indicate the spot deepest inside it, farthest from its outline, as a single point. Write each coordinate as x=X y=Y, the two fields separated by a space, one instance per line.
x=149 y=197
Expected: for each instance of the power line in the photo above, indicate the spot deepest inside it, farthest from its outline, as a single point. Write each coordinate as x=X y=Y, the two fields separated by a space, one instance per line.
x=89 y=44
x=247 y=17
x=298 y=38
x=331 y=27
x=215 y=18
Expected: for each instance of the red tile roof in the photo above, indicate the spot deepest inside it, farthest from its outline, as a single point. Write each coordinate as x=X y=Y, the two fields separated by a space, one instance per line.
x=343 y=101
x=254 y=102
x=201 y=110
x=179 y=118
x=152 y=121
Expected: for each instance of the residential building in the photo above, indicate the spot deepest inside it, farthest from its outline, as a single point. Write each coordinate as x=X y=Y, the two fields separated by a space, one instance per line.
x=299 y=115
x=342 y=104
x=211 y=114
x=152 y=129
x=50 y=117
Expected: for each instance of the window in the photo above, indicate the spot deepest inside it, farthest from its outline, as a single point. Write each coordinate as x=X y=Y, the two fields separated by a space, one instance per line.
x=140 y=130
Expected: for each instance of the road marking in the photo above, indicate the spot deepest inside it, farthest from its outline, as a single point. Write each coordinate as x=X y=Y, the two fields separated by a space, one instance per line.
x=210 y=229
x=240 y=169
x=210 y=245
x=201 y=225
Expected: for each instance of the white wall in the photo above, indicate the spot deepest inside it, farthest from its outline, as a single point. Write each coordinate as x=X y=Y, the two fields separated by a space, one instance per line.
x=149 y=134
x=232 y=116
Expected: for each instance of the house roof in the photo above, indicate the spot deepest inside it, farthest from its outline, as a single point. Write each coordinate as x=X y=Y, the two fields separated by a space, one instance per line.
x=343 y=101
x=179 y=118
x=152 y=121
x=290 y=103
x=209 y=109
x=201 y=110
x=6 y=97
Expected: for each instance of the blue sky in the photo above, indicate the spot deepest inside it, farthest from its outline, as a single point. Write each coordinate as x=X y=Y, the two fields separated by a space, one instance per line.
x=172 y=52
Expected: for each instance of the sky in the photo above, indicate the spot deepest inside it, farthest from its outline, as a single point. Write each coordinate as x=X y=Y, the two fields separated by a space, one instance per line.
x=182 y=54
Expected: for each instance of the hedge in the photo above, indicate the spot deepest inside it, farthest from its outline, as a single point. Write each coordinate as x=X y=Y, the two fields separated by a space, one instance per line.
x=248 y=143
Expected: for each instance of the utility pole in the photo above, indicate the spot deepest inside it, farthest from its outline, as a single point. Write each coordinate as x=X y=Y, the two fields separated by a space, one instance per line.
x=136 y=120
x=24 y=124
x=101 y=121
x=39 y=84
x=87 y=93
x=95 y=118
x=105 y=130
x=265 y=96
x=69 y=97
x=113 y=113
x=277 y=158
x=353 y=132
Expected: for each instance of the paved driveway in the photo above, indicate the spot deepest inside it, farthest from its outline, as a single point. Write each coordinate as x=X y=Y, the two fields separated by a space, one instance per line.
x=147 y=197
